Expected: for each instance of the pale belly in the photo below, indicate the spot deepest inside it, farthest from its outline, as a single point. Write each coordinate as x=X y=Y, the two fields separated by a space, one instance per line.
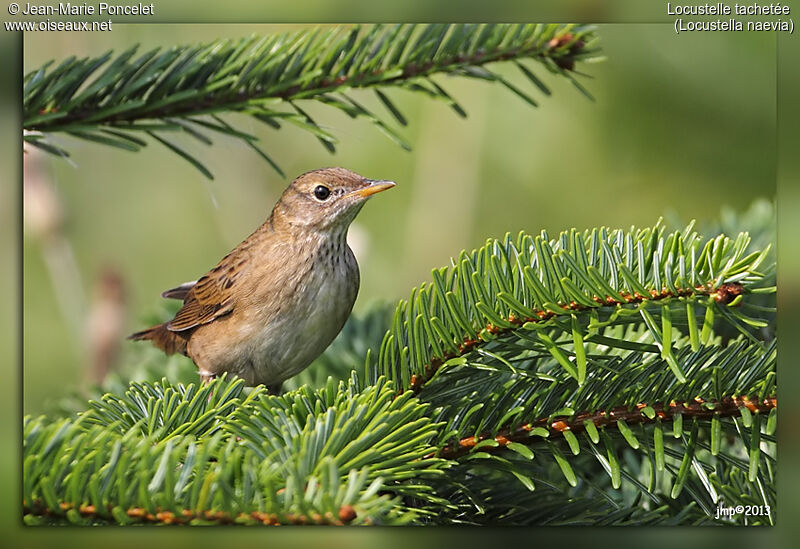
x=288 y=344
x=268 y=347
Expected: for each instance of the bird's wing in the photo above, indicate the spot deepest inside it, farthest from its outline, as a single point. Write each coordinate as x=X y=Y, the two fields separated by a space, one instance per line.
x=212 y=296
x=180 y=291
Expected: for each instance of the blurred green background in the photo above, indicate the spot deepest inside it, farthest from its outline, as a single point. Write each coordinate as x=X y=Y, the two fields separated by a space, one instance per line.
x=728 y=68
x=681 y=125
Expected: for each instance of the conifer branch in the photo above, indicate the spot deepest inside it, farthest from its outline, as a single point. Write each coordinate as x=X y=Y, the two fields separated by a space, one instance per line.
x=724 y=295
x=534 y=290
x=117 y=100
x=183 y=458
x=700 y=408
x=597 y=322
x=468 y=412
x=87 y=512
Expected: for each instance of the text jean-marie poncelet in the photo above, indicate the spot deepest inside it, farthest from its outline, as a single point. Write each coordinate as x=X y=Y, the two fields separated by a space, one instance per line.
x=102 y=8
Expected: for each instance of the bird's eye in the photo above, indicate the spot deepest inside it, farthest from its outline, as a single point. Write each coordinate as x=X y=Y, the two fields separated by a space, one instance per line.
x=321 y=192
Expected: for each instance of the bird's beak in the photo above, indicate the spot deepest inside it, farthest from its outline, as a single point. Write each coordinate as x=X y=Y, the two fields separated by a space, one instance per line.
x=375 y=186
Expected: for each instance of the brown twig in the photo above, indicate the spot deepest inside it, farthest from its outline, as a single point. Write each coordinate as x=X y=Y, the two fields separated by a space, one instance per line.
x=698 y=408
x=723 y=294
x=345 y=515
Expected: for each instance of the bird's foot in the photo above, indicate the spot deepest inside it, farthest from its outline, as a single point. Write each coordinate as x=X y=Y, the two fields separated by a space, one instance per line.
x=275 y=389
x=206 y=377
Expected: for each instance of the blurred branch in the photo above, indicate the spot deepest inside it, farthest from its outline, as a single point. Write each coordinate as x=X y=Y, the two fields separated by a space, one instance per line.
x=184 y=89
x=44 y=219
x=105 y=323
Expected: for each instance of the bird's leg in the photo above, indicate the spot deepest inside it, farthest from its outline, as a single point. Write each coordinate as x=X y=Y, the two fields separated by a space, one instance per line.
x=206 y=377
x=275 y=388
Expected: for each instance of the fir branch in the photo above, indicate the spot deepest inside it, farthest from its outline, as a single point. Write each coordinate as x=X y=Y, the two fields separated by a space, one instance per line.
x=599 y=321
x=514 y=337
x=85 y=513
x=367 y=444
x=164 y=410
x=573 y=285
x=170 y=90
x=486 y=414
x=725 y=294
x=700 y=408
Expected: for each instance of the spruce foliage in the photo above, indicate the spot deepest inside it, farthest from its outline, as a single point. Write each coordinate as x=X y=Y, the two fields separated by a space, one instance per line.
x=607 y=376
x=123 y=100
x=615 y=402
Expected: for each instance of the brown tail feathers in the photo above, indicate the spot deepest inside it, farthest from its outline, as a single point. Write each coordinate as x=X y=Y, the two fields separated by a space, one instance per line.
x=167 y=341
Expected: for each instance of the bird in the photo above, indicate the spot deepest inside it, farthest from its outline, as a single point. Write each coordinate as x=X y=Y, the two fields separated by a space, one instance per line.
x=278 y=299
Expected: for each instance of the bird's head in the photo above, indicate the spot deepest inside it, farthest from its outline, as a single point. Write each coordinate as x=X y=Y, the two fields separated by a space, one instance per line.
x=326 y=200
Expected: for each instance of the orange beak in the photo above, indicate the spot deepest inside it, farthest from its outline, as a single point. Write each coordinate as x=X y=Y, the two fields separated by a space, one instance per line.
x=374 y=187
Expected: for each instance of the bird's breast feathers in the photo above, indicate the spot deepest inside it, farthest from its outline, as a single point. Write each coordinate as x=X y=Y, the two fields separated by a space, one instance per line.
x=296 y=334
x=277 y=336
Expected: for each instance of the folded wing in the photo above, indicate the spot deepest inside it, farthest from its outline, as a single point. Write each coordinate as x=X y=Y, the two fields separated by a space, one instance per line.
x=210 y=297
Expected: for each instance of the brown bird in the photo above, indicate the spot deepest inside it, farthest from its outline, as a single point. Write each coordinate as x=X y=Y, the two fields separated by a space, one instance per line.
x=277 y=300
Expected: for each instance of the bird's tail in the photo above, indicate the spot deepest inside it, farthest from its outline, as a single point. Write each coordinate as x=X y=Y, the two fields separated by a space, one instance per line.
x=166 y=340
